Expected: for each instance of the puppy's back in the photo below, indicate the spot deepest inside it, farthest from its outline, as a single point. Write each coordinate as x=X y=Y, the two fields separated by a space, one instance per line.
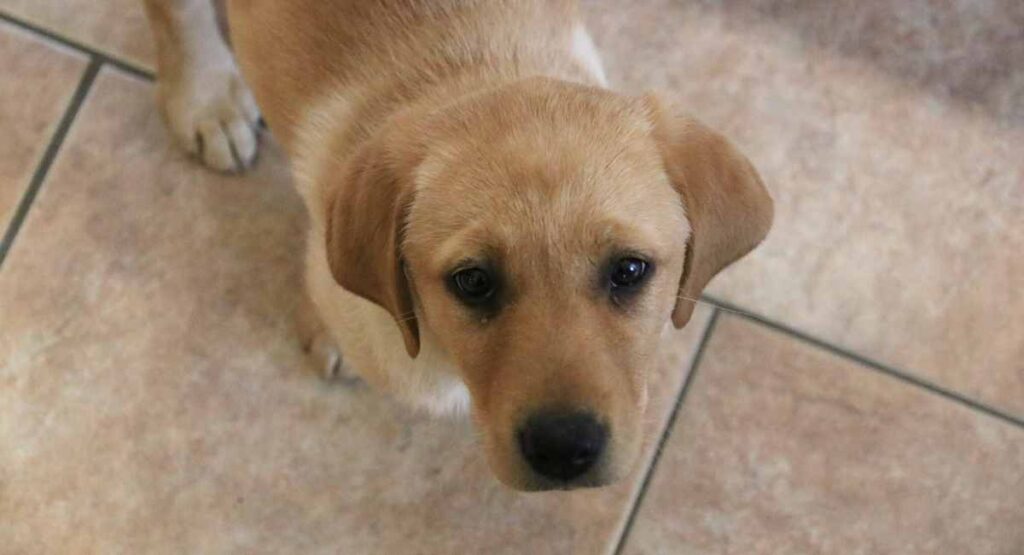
x=290 y=52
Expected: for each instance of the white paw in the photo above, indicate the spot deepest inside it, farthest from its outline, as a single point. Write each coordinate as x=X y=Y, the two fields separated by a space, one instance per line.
x=213 y=116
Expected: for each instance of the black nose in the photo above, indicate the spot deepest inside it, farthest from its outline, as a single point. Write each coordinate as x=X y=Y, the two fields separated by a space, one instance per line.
x=562 y=446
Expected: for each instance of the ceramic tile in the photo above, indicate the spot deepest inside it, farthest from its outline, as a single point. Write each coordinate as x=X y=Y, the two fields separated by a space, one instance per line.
x=153 y=397
x=966 y=50
x=783 y=448
x=116 y=27
x=38 y=82
x=890 y=136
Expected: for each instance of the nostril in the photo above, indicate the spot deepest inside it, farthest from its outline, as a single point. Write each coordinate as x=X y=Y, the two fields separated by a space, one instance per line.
x=562 y=446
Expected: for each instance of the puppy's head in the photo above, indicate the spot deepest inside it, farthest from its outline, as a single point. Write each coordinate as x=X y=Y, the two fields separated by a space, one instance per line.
x=545 y=233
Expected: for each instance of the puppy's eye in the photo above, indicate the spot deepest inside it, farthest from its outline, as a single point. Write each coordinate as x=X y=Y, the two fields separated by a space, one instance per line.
x=628 y=273
x=473 y=285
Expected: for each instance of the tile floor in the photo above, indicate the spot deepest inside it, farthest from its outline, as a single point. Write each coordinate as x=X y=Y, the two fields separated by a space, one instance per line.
x=153 y=399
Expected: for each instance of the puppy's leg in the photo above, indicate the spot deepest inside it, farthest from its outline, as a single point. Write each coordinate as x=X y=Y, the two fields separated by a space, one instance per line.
x=317 y=341
x=207 y=106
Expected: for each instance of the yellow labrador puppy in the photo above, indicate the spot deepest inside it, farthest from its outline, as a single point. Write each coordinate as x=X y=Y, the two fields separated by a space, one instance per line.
x=492 y=228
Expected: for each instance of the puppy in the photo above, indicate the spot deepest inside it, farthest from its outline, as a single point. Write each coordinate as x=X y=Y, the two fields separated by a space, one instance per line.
x=492 y=229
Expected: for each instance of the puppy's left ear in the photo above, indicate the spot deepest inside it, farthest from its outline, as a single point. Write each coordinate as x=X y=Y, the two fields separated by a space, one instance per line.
x=726 y=203
x=367 y=208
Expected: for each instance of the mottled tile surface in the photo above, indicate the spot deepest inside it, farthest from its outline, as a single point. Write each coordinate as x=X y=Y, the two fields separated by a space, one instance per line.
x=153 y=398
x=37 y=82
x=117 y=27
x=890 y=134
x=783 y=448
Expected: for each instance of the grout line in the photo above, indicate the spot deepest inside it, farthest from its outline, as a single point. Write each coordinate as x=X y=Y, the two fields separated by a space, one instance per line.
x=862 y=360
x=49 y=155
x=93 y=53
x=665 y=435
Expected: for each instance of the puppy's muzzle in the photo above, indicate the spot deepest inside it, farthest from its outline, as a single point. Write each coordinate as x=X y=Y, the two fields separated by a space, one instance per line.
x=563 y=447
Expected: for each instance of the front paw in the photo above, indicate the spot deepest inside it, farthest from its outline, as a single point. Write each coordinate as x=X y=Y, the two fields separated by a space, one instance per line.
x=320 y=346
x=327 y=358
x=213 y=116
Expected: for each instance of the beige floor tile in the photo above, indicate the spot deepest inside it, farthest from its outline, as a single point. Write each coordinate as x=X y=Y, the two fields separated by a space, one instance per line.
x=153 y=398
x=116 y=27
x=37 y=84
x=783 y=448
x=890 y=134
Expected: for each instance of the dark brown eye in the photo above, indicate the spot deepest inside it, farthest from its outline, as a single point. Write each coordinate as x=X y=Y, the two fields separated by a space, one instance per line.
x=628 y=273
x=473 y=285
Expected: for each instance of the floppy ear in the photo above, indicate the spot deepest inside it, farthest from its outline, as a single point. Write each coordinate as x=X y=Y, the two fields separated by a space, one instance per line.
x=726 y=203
x=366 y=214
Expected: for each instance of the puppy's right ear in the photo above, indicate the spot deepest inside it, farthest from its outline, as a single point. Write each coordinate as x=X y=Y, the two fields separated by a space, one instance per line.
x=366 y=213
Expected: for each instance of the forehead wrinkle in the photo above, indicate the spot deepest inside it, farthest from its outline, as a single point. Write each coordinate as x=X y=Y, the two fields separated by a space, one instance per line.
x=546 y=193
x=475 y=241
x=583 y=214
x=451 y=195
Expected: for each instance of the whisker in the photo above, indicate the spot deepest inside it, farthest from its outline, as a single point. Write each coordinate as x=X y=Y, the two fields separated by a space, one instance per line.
x=409 y=318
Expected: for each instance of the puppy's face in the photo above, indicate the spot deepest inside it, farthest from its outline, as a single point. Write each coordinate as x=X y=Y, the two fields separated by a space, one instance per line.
x=541 y=236
x=544 y=248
